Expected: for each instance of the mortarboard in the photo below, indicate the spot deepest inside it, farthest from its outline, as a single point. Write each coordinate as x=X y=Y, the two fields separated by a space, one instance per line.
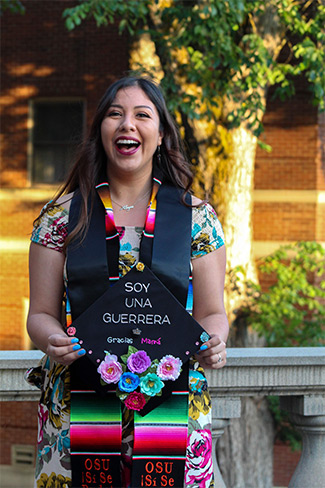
x=138 y=339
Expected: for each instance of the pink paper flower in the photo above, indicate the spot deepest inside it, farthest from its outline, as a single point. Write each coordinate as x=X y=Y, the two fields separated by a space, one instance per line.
x=110 y=369
x=138 y=362
x=135 y=401
x=71 y=331
x=169 y=368
x=198 y=466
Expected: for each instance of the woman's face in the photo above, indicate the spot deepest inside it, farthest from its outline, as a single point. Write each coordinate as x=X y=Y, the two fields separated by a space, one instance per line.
x=130 y=133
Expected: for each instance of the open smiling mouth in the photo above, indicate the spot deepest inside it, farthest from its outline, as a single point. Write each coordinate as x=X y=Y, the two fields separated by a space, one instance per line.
x=127 y=146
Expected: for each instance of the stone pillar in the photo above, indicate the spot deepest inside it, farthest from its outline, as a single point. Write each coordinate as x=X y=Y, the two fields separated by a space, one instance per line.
x=223 y=409
x=308 y=415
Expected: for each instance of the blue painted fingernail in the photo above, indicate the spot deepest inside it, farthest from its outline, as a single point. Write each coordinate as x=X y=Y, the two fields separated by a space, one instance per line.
x=76 y=347
x=74 y=340
x=81 y=352
x=204 y=347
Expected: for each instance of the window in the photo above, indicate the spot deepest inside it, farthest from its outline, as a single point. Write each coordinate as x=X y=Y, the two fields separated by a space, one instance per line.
x=57 y=129
x=22 y=456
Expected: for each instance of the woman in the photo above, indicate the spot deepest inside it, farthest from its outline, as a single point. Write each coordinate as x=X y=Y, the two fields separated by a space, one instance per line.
x=132 y=139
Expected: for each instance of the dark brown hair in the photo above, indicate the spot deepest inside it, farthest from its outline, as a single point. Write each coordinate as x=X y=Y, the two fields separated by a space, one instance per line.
x=92 y=160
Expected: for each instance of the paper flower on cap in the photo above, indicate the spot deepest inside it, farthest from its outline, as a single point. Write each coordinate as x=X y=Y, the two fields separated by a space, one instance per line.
x=128 y=382
x=151 y=385
x=138 y=362
x=71 y=331
x=204 y=336
x=138 y=377
x=169 y=368
x=110 y=369
x=140 y=266
x=135 y=401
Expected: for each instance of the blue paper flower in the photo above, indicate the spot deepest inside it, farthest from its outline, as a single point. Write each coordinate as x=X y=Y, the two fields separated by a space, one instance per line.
x=204 y=336
x=128 y=382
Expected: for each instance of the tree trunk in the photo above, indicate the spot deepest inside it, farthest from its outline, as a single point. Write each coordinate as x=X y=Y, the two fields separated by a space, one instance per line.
x=239 y=207
x=245 y=450
x=239 y=188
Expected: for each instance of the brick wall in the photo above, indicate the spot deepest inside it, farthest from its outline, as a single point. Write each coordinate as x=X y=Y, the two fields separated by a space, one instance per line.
x=276 y=221
x=320 y=161
x=291 y=129
x=285 y=461
x=40 y=58
x=18 y=425
x=290 y=180
x=320 y=223
x=13 y=291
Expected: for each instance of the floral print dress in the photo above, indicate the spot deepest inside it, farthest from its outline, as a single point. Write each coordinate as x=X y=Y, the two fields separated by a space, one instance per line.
x=53 y=467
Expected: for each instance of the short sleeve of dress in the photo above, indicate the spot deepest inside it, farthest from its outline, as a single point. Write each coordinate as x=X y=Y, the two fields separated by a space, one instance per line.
x=51 y=228
x=207 y=233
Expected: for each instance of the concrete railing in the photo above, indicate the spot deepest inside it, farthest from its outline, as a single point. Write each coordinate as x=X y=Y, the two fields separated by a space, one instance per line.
x=297 y=375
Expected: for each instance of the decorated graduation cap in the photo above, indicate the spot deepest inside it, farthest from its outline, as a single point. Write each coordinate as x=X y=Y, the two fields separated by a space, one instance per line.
x=138 y=339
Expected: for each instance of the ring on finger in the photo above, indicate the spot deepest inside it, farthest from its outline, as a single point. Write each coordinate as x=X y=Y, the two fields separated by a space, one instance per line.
x=219 y=358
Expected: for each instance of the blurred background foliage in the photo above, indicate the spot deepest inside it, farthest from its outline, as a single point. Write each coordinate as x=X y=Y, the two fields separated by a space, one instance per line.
x=291 y=311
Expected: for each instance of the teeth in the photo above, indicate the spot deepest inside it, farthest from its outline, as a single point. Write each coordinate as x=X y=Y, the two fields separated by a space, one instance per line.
x=127 y=141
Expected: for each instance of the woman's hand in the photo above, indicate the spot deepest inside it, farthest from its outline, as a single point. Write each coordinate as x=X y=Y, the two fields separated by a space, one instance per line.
x=63 y=349
x=213 y=353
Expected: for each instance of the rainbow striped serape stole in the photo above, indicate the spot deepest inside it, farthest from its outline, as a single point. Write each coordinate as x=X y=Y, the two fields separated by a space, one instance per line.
x=95 y=433
x=160 y=440
x=160 y=437
x=112 y=235
x=149 y=227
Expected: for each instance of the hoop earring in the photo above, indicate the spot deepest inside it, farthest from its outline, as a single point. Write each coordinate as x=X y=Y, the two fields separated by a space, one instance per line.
x=158 y=156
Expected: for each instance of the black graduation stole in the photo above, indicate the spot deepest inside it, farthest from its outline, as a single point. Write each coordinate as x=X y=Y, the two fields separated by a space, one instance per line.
x=160 y=436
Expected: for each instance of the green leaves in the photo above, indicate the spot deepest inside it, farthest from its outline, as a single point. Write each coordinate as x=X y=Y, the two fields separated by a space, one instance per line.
x=131 y=350
x=284 y=430
x=229 y=49
x=13 y=6
x=312 y=62
x=75 y=15
x=128 y=14
x=292 y=311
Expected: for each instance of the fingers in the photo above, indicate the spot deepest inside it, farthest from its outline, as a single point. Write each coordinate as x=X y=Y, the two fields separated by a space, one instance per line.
x=214 y=361
x=213 y=353
x=63 y=349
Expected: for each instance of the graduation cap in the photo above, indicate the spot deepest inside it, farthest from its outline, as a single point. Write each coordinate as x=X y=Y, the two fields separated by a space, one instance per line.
x=138 y=340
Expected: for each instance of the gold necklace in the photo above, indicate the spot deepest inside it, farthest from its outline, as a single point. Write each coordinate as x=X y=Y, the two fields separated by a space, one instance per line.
x=127 y=208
